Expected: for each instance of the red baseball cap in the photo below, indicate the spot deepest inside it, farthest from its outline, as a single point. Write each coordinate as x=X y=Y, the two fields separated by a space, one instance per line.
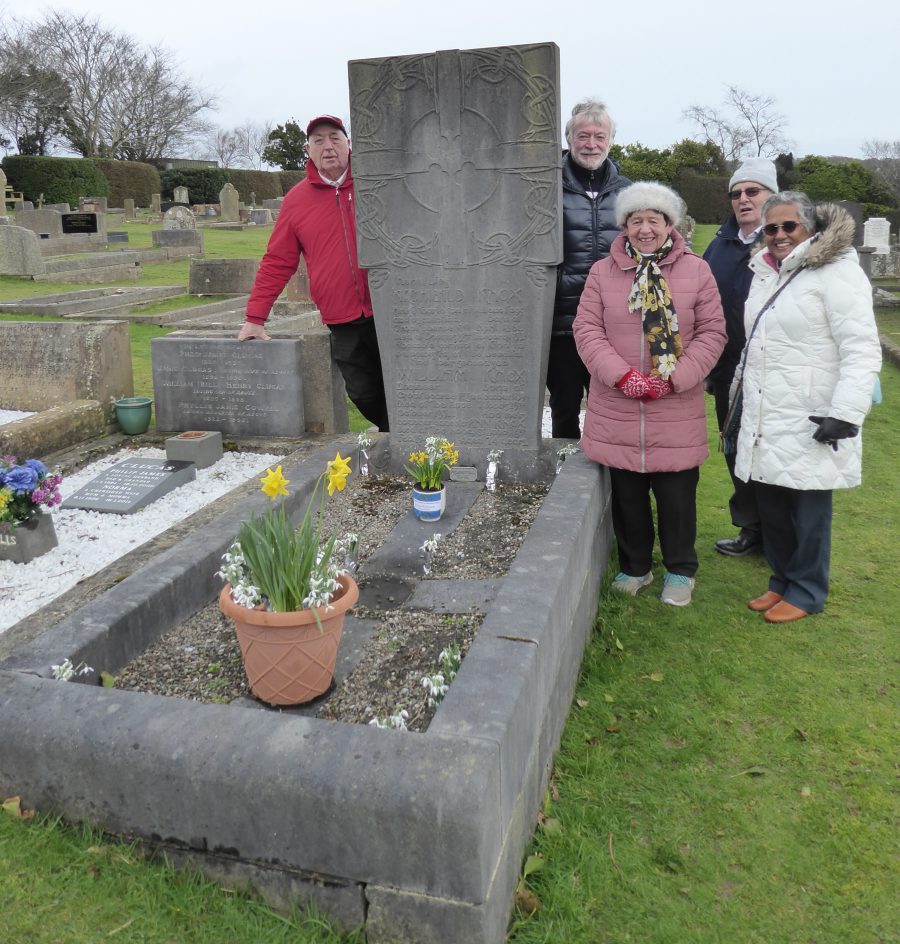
x=326 y=120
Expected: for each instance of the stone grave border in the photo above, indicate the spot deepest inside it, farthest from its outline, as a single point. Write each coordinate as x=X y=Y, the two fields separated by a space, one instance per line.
x=418 y=837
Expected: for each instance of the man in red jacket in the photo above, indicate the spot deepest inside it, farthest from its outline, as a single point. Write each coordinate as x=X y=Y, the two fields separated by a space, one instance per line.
x=317 y=220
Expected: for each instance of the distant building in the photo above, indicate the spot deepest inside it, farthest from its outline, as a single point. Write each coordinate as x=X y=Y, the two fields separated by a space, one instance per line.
x=180 y=163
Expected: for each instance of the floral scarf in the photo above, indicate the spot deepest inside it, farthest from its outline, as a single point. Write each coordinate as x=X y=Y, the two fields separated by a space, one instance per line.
x=650 y=295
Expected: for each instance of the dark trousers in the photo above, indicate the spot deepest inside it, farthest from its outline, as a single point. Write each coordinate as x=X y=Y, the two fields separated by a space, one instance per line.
x=742 y=504
x=568 y=381
x=676 y=513
x=796 y=532
x=354 y=348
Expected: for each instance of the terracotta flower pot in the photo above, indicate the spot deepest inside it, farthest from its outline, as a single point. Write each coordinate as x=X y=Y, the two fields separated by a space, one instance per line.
x=287 y=658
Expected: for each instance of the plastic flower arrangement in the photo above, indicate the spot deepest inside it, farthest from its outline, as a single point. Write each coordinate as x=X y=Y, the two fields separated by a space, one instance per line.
x=24 y=489
x=283 y=569
x=428 y=466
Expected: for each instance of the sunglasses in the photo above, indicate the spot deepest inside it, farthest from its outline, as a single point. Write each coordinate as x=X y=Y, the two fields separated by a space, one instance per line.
x=770 y=229
x=750 y=192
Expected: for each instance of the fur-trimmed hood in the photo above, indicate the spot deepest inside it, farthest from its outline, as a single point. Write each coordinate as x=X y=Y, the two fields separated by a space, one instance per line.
x=835 y=229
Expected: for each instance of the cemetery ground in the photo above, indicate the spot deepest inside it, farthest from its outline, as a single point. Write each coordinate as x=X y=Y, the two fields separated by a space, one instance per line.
x=718 y=780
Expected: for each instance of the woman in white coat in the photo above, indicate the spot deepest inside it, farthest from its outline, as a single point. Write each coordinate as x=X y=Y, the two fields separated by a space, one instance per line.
x=809 y=367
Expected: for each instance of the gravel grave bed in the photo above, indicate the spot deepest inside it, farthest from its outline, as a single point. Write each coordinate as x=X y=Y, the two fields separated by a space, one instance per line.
x=201 y=661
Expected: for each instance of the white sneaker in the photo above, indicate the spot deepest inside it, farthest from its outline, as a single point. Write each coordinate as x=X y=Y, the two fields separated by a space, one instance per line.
x=625 y=583
x=677 y=589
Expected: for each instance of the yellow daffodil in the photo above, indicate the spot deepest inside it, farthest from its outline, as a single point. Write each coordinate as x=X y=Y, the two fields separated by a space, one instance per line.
x=337 y=471
x=274 y=483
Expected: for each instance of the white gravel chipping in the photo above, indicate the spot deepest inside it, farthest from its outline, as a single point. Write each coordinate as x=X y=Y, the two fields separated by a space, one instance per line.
x=90 y=540
x=10 y=416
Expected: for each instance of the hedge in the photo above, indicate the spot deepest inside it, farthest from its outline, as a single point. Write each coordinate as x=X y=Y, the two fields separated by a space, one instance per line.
x=129 y=179
x=290 y=178
x=706 y=197
x=265 y=184
x=203 y=184
x=59 y=179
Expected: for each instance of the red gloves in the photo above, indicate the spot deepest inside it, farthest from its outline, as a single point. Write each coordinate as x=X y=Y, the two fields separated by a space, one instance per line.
x=634 y=385
x=638 y=387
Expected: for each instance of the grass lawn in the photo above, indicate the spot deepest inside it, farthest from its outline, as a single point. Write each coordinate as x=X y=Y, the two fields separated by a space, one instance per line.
x=719 y=780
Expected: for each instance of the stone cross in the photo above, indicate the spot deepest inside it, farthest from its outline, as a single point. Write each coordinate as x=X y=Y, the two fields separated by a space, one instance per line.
x=456 y=163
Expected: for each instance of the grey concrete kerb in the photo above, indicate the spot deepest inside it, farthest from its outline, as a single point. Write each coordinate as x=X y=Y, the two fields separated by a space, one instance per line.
x=417 y=836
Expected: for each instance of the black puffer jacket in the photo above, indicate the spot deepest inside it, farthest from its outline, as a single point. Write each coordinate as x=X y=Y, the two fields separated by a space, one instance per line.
x=589 y=227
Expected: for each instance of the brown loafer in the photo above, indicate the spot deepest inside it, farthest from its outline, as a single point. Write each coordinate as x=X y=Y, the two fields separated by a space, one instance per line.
x=784 y=612
x=765 y=602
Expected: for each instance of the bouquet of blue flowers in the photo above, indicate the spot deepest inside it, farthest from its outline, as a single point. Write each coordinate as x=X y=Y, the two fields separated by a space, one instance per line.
x=24 y=489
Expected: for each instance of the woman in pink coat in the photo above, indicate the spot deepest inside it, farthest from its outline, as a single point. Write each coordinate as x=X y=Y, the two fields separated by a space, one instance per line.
x=649 y=329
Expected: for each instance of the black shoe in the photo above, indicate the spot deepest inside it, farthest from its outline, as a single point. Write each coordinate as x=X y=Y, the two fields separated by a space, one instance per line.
x=747 y=542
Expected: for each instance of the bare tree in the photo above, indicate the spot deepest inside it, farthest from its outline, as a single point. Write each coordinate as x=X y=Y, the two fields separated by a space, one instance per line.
x=883 y=158
x=124 y=101
x=745 y=124
x=254 y=140
x=223 y=146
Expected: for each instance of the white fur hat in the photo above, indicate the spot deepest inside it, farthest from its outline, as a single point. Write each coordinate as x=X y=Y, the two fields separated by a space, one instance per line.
x=649 y=195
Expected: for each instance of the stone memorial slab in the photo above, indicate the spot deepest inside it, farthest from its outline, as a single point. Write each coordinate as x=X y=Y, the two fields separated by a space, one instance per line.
x=856 y=211
x=132 y=485
x=93 y=204
x=20 y=252
x=202 y=447
x=228 y=204
x=242 y=388
x=78 y=223
x=222 y=276
x=180 y=195
x=273 y=204
x=456 y=163
x=129 y=208
x=179 y=217
x=3 y=179
x=877 y=234
x=44 y=222
x=261 y=217
x=154 y=203
x=178 y=238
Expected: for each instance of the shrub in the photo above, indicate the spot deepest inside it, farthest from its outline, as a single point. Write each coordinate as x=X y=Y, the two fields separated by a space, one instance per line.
x=203 y=184
x=706 y=197
x=290 y=178
x=265 y=184
x=129 y=179
x=59 y=179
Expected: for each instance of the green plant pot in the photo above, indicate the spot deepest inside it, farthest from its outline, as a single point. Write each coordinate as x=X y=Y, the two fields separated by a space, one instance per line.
x=133 y=414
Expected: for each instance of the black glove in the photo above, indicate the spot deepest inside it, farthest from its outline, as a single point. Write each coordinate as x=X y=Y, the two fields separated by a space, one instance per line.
x=830 y=430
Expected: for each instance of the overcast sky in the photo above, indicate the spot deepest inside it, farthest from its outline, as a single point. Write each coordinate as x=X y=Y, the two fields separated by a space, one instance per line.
x=828 y=65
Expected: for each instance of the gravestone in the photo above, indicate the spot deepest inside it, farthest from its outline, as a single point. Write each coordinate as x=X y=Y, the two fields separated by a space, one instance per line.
x=20 y=253
x=3 y=179
x=177 y=238
x=456 y=163
x=180 y=195
x=129 y=208
x=154 y=203
x=82 y=223
x=131 y=485
x=877 y=234
x=61 y=207
x=273 y=204
x=93 y=204
x=228 y=204
x=222 y=276
x=44 y=222
x=242 y=388
x=179 y=217
x=261 y=217
x=46 y=363
x=297 y=288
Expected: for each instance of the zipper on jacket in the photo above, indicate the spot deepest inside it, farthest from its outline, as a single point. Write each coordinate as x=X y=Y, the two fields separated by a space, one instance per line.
x=337 y=196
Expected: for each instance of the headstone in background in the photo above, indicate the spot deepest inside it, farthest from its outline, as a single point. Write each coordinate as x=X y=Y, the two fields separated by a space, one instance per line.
x=93 y=204
x=456 y=166
x=222 y=276
x=131 y=485
x=83 y=223
x=180 y=195
x=3 y=179
x=129 y=208
x=177 y=238
x=45 y=364
x=44 y=222
x=228 y=204
x=856 y=211
x=252 y=198
x=241 y=388
x=20 y=254
x=23 y=205
x=61 y=207
x=117 y=236
x=273 y=204
x=877 y=234
x=261 y=217
x=154 y=203
x=179 y=217
x=297 y=288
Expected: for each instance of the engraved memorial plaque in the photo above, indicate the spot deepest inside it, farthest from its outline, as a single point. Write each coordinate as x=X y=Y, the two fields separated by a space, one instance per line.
x=242 y=388
x=456 y=163
x=131 y=485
